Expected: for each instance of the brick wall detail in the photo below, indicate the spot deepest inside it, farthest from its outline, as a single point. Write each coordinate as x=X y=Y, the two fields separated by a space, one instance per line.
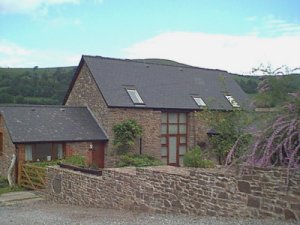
x=258 y=193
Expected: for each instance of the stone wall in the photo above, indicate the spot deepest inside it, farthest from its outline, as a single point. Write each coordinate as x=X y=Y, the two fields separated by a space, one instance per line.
x=258 y=193
x=8 y=149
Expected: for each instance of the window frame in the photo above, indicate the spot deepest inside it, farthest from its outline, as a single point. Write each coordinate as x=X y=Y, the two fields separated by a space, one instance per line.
x=199 y=101
x=53 y=155
x=134 y=94
x=232 y=101
x=178 y=134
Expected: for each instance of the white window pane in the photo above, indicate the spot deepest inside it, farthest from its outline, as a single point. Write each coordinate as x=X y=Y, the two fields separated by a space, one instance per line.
x=163 y=129
x=199 y=101
x=182 y=118
x=163 y=151
x=164 y=117
x=163 y=140
x=28 y=152
x=135 y=97
x=60 y=151
x=182 y=150
x=172 y=150
x=173 y=118
x=173 y=128
x=232 y=101
x=182 y=129
x=182 y=140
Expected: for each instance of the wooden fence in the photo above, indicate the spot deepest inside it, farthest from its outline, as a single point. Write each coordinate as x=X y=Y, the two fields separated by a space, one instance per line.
x=31 y=177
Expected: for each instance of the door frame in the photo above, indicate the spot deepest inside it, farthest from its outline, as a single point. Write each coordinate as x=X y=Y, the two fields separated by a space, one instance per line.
x=178 y=135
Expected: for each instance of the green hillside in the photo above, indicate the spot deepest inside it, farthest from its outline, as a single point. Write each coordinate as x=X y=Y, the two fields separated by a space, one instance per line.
x=49 y=85
x=34 y=85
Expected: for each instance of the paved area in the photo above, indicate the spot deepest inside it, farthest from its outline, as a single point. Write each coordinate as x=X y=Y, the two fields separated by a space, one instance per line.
x=30 y=209
x=19 y=197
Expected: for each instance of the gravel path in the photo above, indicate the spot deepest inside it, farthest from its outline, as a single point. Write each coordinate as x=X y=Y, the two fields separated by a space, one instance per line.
x=42 y=212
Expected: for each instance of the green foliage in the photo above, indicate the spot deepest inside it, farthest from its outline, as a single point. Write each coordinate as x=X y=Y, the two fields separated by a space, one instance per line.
x=194 y=158
x=3 y=182
x=45 y=163
x=274 y=90
x=34 y=85
x=125 y=134
x=4 y=186
x=76 y=160
x=229 y=126
x=138 y=160
x=248 y=85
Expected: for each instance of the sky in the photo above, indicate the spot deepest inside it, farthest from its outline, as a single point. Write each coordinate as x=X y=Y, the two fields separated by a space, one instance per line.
x=232 y=35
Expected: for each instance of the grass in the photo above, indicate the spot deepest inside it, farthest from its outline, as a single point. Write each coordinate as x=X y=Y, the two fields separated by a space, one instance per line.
x=4 y=187
x=10 y=189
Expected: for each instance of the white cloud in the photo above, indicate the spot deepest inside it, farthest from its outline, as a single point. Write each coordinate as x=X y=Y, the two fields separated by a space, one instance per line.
x=13 y=55
x=237 y=54
x=28 y=6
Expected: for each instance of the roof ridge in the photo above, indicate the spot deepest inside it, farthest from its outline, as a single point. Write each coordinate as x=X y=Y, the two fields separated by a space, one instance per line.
x=153 y=63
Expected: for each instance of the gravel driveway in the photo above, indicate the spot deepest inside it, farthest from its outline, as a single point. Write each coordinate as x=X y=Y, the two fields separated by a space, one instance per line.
x=42 y=212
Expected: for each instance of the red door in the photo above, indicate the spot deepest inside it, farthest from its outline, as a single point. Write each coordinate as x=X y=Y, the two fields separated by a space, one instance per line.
x=98 y=154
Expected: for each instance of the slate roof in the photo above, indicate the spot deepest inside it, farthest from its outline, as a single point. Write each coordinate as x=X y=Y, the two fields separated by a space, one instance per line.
x=162 y=86
x=51 y=124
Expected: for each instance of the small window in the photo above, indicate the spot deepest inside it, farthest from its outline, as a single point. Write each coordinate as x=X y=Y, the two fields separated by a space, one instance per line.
x=28 y=152
x=199 y=101
x=232 y=101
x=135 y=97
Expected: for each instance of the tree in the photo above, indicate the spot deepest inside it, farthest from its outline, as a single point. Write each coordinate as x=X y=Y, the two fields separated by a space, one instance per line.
x=229 y=127
x=278 y=144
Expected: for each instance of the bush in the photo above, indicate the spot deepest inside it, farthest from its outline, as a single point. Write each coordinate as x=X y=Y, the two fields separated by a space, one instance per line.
x=194 y=158
x=3 y=182
x=125 y=134
x=138 y=160
x=76 y=160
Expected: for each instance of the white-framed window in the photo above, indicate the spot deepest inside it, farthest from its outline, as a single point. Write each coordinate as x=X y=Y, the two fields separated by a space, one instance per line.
x=135 y=97
x=232 y=101
x=60 y=152
x=28 y=152
x=199 y=101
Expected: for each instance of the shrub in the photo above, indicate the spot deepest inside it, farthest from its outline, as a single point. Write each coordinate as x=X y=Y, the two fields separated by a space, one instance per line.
x=138 y=160
x=125 y=134
x=194 y=158
x=3 y=182
x=76 y=160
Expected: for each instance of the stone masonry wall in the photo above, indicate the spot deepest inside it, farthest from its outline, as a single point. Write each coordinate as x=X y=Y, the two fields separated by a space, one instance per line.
x=86 y=93
x=258 y=193
x=8 y=149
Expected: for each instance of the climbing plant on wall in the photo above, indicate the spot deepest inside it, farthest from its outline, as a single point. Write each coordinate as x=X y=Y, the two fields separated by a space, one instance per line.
x=125 y=134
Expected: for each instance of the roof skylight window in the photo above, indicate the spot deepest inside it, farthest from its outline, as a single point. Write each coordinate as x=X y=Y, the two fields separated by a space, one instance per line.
x=135 y=97
x=199 y=101
x=232 y=101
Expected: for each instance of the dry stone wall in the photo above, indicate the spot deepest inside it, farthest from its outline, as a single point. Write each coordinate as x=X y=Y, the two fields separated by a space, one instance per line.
x=257 y=193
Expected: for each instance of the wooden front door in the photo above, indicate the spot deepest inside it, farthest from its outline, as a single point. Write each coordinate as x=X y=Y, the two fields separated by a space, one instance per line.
x=98 y=154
